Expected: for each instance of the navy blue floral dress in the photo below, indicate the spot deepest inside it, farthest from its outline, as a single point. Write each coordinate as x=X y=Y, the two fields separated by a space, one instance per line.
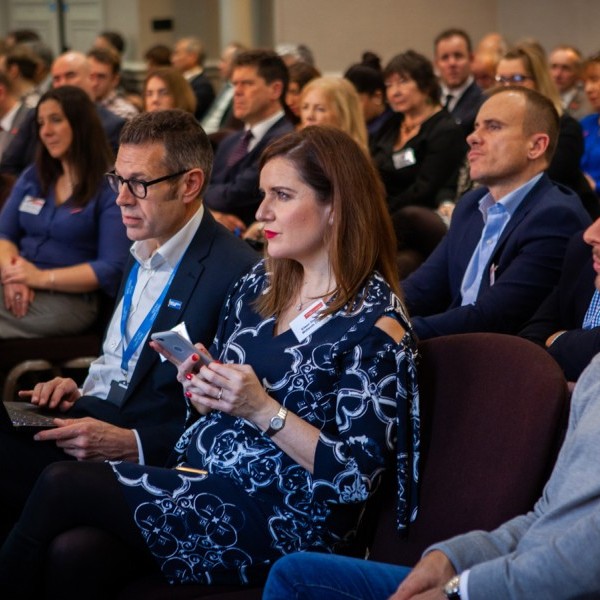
x=350 y=380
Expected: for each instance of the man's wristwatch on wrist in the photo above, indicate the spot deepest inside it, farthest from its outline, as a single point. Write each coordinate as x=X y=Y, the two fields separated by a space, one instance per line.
x=277 y=422
x=452 y=588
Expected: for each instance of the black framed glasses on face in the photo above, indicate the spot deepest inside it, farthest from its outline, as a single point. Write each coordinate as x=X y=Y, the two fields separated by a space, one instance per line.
x=512 y=79
x=137 y=187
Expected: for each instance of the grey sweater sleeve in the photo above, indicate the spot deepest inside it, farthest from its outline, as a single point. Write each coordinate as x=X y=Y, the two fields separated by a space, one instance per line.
x=566 y=566
x=475 y=547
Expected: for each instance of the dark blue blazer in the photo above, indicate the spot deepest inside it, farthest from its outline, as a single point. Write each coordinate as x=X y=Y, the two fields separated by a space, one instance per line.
x=204 y=92
x=235 y=190
x=21 y=151
x=154 y=404
x=465 y=110
x=564 y=309
x=526 y=263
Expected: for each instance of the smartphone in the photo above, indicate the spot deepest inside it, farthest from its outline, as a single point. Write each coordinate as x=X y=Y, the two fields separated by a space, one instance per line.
x=179 y=347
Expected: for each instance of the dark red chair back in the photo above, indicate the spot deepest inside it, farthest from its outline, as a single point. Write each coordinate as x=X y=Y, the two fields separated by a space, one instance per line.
x=494 y=409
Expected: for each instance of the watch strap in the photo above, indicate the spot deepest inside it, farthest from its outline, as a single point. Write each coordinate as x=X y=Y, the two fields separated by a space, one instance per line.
x=277 y=422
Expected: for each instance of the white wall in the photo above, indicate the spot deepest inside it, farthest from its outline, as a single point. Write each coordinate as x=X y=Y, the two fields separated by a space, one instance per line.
x=552 y=22
x=338 y=31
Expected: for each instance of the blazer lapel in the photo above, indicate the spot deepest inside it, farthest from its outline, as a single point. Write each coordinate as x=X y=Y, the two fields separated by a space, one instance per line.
x=178 y=296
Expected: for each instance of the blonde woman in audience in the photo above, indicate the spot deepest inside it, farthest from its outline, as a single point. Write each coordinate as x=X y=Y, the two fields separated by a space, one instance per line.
x=167 y=88
x=325 y=101
x=334 y=101
x=525 y=65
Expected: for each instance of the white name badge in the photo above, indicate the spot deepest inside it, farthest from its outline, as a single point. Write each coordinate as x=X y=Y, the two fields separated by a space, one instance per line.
x=32 y=205
x=404 y=158
x=308 y=322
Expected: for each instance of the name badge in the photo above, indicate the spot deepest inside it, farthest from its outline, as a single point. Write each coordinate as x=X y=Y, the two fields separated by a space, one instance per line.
x=116 y=395
x=32 y=205
x=308 y=322
x=404 y=158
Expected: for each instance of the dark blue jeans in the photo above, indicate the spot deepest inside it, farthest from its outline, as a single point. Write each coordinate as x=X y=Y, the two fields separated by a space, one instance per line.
x=312 y=576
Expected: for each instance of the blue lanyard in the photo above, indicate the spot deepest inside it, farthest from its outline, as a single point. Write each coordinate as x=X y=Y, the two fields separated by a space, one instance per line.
x=146 y=324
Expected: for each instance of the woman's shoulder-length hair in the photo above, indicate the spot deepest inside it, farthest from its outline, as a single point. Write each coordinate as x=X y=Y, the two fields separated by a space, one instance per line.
x=360 y=238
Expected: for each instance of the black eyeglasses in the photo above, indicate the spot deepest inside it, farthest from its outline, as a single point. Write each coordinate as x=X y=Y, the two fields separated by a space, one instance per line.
x=512 y=79
x=137 y=187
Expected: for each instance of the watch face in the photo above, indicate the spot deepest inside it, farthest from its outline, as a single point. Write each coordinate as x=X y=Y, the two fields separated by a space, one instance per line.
x=276 y=423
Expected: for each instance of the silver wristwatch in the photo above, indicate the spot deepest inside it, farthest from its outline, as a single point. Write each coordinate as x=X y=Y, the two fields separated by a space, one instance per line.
x=277 y=422
x=452 y=588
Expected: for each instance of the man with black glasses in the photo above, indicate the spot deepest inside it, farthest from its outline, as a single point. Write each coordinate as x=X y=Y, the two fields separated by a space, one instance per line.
x=182 y=264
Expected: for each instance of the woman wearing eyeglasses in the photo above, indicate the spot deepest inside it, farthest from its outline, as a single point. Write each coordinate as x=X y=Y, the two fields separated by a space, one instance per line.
x=61 y=234
x=525 y=65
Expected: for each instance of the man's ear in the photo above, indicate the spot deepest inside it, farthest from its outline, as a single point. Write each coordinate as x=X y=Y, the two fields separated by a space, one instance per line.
x=276 y=89
x=537 y=145
x=193 y=182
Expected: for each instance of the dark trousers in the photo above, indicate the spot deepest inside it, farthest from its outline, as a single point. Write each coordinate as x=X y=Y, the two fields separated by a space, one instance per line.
x=22 y=459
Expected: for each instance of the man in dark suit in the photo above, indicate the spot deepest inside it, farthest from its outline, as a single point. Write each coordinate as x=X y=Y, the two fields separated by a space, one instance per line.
x=568 y=321
x=182 y=265
x=503 y=252
x=188 y=58
x=461 y=96
x=70 y=68
x=260 y=80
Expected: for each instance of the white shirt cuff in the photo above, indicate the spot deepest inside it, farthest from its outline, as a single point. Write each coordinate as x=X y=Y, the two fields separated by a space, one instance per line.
x=463 y=584
x=140 y=449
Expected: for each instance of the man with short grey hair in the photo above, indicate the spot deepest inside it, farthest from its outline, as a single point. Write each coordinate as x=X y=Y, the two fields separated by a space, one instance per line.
x=188 y=59
x=182 y=265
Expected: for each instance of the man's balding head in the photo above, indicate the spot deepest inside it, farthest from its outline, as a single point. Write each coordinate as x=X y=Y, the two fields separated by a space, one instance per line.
x=72 y=68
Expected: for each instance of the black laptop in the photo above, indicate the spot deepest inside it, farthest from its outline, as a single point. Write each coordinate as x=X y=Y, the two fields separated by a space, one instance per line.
x=24 y=417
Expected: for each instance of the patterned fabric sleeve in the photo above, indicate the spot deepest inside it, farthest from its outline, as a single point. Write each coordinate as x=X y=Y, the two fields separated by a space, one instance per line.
x=377 y=410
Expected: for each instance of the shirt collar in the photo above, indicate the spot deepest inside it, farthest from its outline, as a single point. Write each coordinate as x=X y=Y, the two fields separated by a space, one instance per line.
x=456 y=92
x=260 y=129
x=108 y=98
x=191 y=73
x=567 y=97
x=172 y=250
x=7 y=120
x=511 y=201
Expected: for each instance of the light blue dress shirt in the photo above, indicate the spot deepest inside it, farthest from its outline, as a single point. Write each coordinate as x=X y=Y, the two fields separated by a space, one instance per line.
x=496 y=216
